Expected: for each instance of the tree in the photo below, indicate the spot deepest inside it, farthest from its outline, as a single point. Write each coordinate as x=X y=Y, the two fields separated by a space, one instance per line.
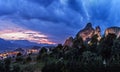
x=42 y=54
x=16 y=68
x=78 y=41
x=58 y=51
x=93 y=43
x=19 y=57
x=28 y=59
x=105 y=46
x=59 y=46
x=116 y=44
x=116 y=51
x=43 y=50
x=7 y=63
x=2 y=66
x=53 y=67
x=19 y=54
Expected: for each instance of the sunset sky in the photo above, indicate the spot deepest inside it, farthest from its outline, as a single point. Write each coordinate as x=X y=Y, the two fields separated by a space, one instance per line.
x=52 y=21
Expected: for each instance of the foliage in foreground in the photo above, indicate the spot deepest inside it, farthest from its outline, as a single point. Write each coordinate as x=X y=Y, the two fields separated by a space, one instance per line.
x=97 y=56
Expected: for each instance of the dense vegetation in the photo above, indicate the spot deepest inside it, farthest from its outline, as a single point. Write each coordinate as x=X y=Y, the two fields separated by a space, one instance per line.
x=96 y=56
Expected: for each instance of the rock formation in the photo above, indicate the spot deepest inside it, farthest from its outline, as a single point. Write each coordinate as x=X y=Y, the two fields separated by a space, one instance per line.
x=98 y=32
x=87 y=32
x=69 y=42
x=113 y=30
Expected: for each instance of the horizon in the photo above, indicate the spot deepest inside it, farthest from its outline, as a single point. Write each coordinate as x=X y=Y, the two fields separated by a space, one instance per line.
x=53 y=21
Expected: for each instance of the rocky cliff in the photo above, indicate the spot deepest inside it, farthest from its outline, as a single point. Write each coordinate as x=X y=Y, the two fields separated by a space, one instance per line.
x=98 y=32
x=113 y=30
x=69 y=42
x=87 y=32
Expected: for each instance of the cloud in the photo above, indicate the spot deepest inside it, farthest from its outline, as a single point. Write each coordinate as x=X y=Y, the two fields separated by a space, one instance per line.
x=43 y=2
x=29 y=35
x=58 y=19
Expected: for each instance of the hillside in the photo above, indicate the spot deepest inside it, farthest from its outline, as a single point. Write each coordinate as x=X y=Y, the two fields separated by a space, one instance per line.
x=94 y=56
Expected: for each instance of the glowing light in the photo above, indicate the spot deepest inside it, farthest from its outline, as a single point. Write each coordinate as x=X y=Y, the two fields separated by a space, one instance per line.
x=23 y=34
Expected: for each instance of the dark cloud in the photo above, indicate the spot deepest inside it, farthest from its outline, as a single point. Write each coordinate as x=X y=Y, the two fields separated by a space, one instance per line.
x=43 y=2
x=77 y=6
x=59 y=19
x=37 y=37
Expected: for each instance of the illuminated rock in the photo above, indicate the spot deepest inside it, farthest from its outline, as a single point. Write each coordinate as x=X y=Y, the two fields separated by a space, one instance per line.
x=69 y=42
x=113 y=30
x=87 y=32
x=98 y=32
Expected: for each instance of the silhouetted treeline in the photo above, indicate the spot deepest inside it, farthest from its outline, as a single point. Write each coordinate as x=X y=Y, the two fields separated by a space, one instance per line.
x=94 y=56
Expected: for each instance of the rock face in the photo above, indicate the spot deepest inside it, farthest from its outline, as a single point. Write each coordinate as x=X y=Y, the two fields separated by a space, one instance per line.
x=113 y=30
x=87 y=32
x=98 y=32
x=69 y=42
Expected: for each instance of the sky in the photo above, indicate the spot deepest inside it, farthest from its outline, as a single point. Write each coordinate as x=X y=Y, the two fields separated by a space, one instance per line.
x=52 y=21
